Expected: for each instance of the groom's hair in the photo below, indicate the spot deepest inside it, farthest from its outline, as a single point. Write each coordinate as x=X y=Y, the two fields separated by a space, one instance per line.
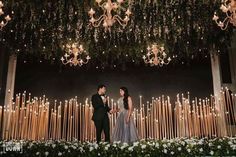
x=100 y=86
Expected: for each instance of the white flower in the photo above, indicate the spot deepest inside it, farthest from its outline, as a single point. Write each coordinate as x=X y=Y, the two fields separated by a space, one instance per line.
x=37 y=153
x=183 y=143
x=164 y=145
x=81 y=149
x=91 y=149
x=143 y=146
x=157 y=145
x=200 y=142
x=125 y=144
x=59 y=154
x=168 y=144
x=219 y=146
x=117 y=142
x=130 y=149
x=135 y=144
x=99 y=154
x=201 y=150
x=165 y=151
x=230 y=142
x=210 y=144
x=96 y=146
x=233 y=147
x=179 y=148
x=66 y=147
x=46 y=153
x=189 y=150
x=122 y=147
x=54 y=145
x=212 y=152
x=172 y=153
x=106 y=148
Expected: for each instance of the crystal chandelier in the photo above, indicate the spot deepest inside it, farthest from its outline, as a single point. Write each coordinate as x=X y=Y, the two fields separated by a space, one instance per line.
x=156 y=56
x=107 y=18
x=75 y=55
x=229 y=8
x=6 y=18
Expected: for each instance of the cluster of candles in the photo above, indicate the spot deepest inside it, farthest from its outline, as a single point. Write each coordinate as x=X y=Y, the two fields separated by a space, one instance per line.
x=36 y=119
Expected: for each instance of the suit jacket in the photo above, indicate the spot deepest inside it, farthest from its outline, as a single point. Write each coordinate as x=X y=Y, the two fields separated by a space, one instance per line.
x=100 y=109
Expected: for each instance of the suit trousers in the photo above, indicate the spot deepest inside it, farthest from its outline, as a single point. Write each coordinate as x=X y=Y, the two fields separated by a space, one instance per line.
x=102 y=125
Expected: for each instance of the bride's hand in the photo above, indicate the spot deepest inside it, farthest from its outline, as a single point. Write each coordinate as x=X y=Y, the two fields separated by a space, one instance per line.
x=127 y=119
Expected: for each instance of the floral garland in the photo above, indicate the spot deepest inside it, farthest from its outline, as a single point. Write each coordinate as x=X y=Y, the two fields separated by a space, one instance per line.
x=181 y=147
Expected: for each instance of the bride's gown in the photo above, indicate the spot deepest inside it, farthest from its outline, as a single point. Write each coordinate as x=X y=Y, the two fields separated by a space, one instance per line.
x=124 y=132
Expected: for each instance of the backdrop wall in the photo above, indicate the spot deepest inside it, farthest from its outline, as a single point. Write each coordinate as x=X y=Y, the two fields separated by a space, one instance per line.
x=61 y=83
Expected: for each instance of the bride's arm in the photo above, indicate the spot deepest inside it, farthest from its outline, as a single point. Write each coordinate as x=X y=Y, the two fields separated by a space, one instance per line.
x=130 y=104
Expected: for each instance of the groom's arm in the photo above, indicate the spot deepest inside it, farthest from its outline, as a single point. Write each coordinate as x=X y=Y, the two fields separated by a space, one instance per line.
x=95 y=102
x=107 y=107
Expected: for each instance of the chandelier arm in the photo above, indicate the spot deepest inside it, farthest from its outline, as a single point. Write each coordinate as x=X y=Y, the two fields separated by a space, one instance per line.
x=227 y=19
x=65 y=63
x=99 y=21
x=227 y=14
x=147 y=60
x=166 y=63
x=120 y=20
x=117 y=17
x=100 y=18
x=102 y=5
x=163 y=59
x=85 y=62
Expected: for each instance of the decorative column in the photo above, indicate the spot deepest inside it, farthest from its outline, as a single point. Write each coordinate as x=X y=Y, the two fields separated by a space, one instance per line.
x=10 y=79
x=216 y=73
x=217 y=84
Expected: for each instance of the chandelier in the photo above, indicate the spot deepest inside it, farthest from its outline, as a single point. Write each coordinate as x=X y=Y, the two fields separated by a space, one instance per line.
x=156 y=56
x=75 y=55
x=6 y=18
x=229 y=8
x=107 y=19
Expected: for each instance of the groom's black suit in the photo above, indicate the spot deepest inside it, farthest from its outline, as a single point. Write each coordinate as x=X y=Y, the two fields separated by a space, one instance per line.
x=100 y=117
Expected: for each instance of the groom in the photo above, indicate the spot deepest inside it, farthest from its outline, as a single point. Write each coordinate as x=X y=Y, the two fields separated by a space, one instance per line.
x=100 y=116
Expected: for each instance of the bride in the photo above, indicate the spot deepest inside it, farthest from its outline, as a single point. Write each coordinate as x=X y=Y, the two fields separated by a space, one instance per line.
x=124 y=130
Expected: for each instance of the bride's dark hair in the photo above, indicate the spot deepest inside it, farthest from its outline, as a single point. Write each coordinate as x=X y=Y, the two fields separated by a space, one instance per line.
x=126 y=95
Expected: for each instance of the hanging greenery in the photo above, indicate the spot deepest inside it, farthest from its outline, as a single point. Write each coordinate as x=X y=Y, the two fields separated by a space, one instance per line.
x=39 y=28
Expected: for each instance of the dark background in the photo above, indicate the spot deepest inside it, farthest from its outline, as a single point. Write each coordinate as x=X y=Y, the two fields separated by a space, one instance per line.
x=63 y=82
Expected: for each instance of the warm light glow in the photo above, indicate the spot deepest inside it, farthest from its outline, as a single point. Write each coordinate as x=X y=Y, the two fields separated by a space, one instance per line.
x=75 y=55
x=107 y=19
x=156 y=56
x=158 y=119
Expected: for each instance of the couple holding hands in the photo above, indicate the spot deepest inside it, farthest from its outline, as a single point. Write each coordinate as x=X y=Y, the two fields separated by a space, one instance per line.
x=124 y=130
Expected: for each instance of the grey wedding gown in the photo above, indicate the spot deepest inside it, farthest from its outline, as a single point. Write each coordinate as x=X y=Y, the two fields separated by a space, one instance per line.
x=124 y=132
